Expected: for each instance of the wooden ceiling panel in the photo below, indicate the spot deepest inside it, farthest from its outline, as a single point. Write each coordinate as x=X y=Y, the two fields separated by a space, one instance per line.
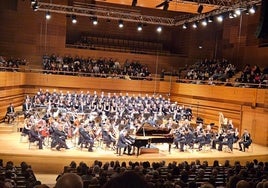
x=186 y=7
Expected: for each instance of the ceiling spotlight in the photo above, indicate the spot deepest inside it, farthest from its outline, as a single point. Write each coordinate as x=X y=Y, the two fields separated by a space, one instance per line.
x=220 y=18
x=194 y=25
x=120 y=24
x=35 y=6
x=252 y=10
x=159 y=29
x=74 y=20
x=238 y=12
x=95 y=21
x=231 y=15
x=204 y=22
x=247 y=11
x=139 y=28
x=184 y=26
x=210 y=19
x=33 y=1
x=48 y=15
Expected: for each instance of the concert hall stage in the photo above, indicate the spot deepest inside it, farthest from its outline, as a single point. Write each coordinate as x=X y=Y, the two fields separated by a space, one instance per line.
x=53 y=161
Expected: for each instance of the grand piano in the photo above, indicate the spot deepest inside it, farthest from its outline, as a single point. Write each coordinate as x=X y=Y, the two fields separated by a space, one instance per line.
x=148 y=134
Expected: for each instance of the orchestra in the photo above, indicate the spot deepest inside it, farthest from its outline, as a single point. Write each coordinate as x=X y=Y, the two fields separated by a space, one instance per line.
x=115 y=120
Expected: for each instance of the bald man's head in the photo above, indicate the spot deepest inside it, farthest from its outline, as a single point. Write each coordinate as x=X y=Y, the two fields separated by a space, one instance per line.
x=69 y=180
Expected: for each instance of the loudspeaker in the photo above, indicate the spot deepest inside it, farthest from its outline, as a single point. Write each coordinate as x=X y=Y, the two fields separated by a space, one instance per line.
x=200 y=9
x=262 y=30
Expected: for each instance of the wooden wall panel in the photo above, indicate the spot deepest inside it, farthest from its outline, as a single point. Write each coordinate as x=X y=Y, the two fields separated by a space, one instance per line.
x=237 y=95
x=8 y=79
x=255 y=120
x=44 y=80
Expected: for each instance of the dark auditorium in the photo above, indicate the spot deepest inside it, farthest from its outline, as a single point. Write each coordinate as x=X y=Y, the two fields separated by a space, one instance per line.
x=134 y=93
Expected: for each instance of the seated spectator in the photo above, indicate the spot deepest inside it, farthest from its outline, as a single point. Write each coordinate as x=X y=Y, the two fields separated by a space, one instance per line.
x=128 y=179
x=69 y=180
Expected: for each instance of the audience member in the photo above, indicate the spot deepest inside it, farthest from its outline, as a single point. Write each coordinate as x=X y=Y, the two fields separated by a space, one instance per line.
x=69 y=180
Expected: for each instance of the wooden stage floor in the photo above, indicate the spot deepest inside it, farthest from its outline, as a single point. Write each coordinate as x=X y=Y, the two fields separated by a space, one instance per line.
x=53 y=161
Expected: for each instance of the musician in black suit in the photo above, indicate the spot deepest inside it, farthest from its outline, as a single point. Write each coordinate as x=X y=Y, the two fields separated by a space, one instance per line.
x=108 y=137
x=227 y=140
x=26 y=106
x=35 y=136
x=59 y=137
x=124 y=142
x=179 y=138
x=245 y=141
x=205 y=139
x=218 y=138
x=86 y=137
x=10 y=114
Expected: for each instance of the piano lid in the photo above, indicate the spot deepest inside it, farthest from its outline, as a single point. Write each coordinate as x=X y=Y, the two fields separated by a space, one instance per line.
x=147 y=130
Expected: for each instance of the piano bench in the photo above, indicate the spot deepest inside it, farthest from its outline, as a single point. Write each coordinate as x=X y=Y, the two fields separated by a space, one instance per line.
x=148 y=150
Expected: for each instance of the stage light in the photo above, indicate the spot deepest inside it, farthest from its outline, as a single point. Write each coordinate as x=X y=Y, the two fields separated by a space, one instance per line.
x=238 y=12
x=74 y=20
x=35 y=6
x=231 y=15
x=48 y=15
x=95 y=21
x=252 y=10
x=220 y=18
x=185 y=26
x=194 y=25
x=204 y=22
x=247 y=10
x=120 y=24
x=139 y=28
x=210 y=19
x=159 y=29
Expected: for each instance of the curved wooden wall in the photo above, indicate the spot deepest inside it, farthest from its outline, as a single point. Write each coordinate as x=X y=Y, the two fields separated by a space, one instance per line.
x=247 y=107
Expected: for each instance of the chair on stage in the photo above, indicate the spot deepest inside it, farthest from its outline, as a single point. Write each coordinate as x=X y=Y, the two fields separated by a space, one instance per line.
x=82 y=143
x=32 y=141
x=24 y=135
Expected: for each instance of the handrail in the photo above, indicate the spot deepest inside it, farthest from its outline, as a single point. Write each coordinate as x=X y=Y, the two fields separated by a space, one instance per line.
x=148 y=78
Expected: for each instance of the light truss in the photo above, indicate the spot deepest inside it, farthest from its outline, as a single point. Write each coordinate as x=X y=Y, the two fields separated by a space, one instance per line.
x=224 y=9
x=216 y=2
x=112 y=13
x=106 y=13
